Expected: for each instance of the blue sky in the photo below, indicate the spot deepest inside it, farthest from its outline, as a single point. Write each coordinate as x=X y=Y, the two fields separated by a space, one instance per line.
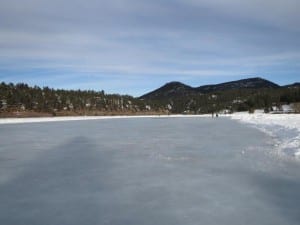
x=134 y=46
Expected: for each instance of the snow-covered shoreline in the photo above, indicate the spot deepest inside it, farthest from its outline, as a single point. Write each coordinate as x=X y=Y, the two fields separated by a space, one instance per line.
x=78 y=118
x=284 y=128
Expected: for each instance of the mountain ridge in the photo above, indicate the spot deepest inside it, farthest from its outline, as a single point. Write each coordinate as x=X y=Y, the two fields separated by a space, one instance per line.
x=177 y=89
x=293 y=85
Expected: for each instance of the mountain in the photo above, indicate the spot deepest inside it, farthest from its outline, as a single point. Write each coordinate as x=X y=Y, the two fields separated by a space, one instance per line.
x=177 y=89
x=250 y=83
x=294 y=85
x=171 y=89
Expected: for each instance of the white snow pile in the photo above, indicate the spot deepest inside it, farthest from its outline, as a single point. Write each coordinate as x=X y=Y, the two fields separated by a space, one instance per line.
x=284 y=128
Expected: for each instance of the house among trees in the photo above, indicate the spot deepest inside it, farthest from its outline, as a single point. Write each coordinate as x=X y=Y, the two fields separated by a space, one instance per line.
x=286 y=108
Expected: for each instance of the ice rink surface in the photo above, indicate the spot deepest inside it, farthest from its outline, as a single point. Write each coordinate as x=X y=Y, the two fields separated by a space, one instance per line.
x=145 y=171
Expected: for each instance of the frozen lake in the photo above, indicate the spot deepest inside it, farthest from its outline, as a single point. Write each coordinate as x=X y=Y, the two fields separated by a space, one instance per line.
x=145 y=171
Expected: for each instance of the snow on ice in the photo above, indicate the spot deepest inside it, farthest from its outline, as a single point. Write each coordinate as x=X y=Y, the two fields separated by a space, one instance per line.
x=284 y=128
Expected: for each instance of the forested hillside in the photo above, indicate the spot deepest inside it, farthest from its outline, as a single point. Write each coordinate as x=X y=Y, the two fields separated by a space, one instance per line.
x=241 y=95
x=23 y=100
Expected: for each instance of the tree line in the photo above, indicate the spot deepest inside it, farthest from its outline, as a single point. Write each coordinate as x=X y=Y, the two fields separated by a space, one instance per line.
x=22 y=97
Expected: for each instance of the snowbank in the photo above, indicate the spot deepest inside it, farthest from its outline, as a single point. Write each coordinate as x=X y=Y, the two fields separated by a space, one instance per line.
x=74 y=118
x=284 y=128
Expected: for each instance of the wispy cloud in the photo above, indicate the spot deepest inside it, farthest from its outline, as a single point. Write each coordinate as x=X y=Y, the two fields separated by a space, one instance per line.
x=126 y=44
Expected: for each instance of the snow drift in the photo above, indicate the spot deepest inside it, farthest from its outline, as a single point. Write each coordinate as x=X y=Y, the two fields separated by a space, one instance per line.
x=284 y=128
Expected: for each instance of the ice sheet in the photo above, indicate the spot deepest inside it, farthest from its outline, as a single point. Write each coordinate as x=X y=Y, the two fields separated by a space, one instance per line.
x=144 y=171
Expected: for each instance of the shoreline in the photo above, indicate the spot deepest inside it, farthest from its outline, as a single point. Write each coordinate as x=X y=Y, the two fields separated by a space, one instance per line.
x=82 y=118
x=243 y=117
